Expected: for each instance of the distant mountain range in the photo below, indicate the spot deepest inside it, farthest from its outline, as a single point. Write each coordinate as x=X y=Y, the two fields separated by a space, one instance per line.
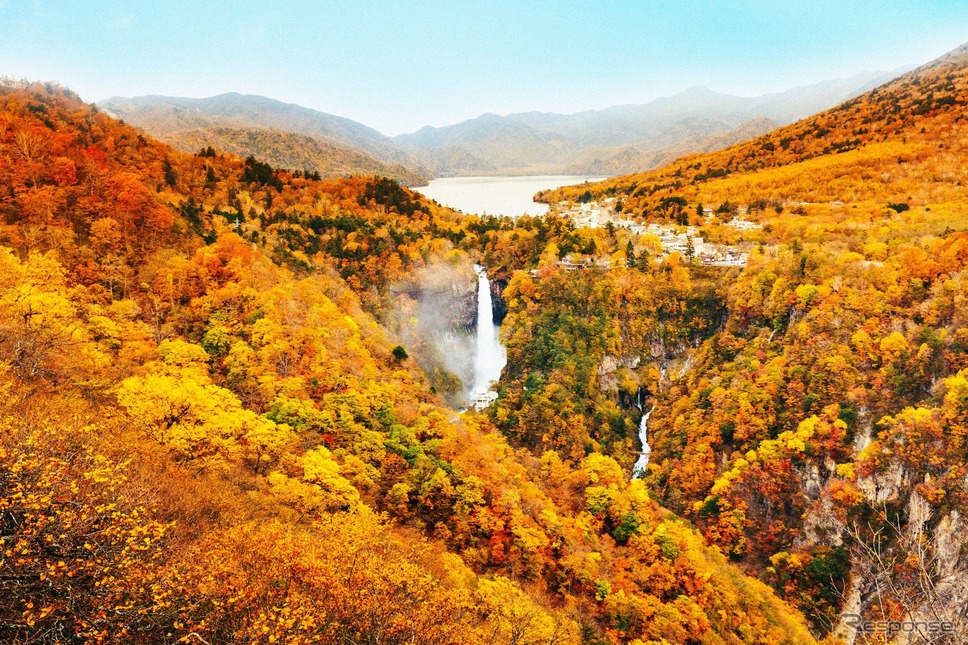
x=623 y=138
x=612 y=141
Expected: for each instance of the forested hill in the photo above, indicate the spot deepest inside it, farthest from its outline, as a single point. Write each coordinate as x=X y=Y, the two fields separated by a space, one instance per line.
x=209 y=434
x=810 y=414
x=291 y=150
x=213 y=419
x=283 y=134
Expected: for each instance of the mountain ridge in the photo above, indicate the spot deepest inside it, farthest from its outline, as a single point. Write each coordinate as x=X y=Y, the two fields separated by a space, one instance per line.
x=565 y=141
x=619 y=138
x=812 y=137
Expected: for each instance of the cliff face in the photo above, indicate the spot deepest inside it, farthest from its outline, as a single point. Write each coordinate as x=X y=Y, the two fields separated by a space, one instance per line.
x=920 y=558
x=499 y=308
x=434 y=316
x=907 y=556
x=447 y=297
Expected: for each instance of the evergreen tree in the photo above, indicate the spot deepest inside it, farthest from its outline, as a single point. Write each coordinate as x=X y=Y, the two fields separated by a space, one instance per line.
x=170 y=177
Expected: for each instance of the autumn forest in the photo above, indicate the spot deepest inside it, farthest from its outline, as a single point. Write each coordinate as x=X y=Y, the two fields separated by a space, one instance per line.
x=222 y=421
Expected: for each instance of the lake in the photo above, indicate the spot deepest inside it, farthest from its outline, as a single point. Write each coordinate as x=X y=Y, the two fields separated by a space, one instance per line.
x=497 y=195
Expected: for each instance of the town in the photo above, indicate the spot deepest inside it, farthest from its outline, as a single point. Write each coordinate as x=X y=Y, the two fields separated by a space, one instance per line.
x=684 y=240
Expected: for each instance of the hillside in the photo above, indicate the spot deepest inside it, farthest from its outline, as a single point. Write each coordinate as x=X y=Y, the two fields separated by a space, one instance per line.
x=175 y=119
x=815 y=428
x=897 y=128
x=282 y=149
x=680 y=143
x=209 y=432
x=603 y=140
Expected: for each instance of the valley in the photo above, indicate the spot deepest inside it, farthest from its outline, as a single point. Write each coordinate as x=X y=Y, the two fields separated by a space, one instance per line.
x=691 y=371
x=239 y=356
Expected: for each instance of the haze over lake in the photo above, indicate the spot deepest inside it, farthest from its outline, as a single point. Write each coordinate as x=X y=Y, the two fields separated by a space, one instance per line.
x=497 y=195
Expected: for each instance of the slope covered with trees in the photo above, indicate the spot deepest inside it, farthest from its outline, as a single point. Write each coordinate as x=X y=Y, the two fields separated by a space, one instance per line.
x=282 y=149
x=256 y=125
x=207 y=434
x=816 y=432
x=897 y=142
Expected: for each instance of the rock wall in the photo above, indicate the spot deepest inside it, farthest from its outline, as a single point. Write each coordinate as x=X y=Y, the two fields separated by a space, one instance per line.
x=446 y=296
x=499 y=308
x=435 y=316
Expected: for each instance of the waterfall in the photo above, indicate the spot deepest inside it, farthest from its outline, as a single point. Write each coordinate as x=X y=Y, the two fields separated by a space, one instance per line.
x=489 y=354
x=638 y=470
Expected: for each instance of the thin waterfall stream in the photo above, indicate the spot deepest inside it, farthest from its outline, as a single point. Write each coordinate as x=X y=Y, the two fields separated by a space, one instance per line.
x=638 y=470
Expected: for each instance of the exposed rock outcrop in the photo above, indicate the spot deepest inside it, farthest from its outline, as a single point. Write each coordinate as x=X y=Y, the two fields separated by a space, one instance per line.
x=499 y=308
x=435 y=315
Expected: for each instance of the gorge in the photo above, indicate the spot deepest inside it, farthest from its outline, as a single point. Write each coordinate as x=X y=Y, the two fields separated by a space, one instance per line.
x=241 y=403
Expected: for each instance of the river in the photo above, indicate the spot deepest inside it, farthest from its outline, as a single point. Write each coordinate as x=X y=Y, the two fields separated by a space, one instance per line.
x=497 y=195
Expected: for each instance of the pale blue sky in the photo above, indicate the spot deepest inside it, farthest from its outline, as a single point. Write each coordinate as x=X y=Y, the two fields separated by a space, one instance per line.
x=399 y=65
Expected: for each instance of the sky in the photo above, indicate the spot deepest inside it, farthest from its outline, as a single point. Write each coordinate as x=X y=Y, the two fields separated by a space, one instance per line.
x=399 y=65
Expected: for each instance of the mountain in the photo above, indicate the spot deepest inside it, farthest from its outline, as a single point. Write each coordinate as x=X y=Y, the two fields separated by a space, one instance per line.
x=895 y=124
x=498 y=142
x=613 y=163
x=817 y=434
x=182 y=120
x=614 y=140
x=542 y=142
x=213 y=425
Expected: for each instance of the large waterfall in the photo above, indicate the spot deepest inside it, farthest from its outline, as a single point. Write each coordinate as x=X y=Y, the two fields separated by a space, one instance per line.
x=638 y=470
x=489 y=354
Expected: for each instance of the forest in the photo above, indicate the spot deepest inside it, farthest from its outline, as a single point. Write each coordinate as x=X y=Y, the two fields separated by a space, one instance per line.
x=212 y=430
x=816 y=437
